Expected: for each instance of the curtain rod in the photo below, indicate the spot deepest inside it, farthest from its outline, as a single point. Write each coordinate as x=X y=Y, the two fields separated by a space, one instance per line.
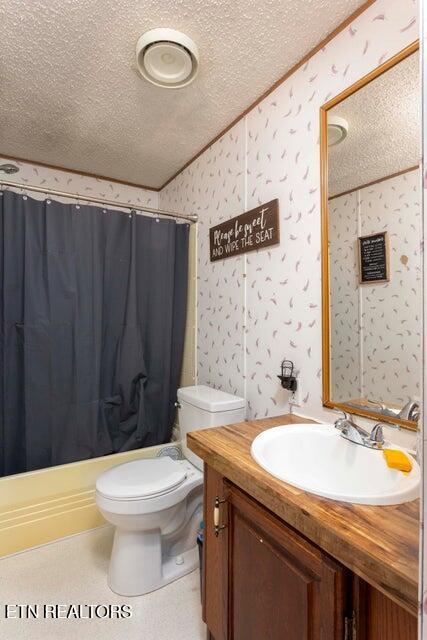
x=125 y=205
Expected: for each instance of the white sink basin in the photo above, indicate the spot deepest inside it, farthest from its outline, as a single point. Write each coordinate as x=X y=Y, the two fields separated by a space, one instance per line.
x=316 y=458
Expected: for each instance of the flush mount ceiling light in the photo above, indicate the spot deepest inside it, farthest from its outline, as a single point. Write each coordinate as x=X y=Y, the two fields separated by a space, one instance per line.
x=167 y=58
x=337 y=130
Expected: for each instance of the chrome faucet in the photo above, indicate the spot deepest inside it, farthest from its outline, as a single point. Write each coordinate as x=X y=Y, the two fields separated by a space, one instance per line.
x=411 y=411
x=355 y=433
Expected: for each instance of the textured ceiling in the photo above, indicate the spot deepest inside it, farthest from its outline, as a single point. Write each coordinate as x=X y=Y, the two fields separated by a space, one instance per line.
x=384 y=134
x=70 y=94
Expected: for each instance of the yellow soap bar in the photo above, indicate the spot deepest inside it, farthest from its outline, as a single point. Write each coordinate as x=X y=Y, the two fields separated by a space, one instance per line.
x=397 y=459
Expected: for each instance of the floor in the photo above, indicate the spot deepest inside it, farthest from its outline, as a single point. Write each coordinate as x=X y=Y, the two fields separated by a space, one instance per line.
x=73 y=571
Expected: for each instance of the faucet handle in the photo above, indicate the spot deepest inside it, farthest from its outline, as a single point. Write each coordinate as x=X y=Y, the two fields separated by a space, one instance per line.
x=346 y=415
x=377 y=434
x=342 y=422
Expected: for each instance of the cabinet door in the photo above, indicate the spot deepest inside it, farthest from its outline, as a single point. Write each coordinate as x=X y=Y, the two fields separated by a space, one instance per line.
x=280 y=586
x=214 y=558
x=379 y=618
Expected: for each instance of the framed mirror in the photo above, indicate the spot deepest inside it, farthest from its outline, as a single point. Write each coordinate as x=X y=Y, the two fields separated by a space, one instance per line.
x=371 y=244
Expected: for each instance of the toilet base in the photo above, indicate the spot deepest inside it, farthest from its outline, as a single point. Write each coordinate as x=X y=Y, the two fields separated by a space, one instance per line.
x=137 y=566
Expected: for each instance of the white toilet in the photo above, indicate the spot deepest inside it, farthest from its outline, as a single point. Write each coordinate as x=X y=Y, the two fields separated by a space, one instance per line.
x=156 y=504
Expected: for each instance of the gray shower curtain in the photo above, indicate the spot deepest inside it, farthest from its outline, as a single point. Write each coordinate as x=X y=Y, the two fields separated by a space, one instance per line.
x=92 y=322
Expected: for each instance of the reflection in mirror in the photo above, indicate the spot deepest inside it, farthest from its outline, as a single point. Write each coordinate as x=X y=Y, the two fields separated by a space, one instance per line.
x=374 y=229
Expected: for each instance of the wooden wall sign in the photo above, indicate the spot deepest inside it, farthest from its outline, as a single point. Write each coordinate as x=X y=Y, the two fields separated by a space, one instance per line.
x=374 y=258
x=249 y=231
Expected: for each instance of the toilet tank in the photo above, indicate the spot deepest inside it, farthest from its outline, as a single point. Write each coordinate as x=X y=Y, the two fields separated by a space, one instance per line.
x=201 y=407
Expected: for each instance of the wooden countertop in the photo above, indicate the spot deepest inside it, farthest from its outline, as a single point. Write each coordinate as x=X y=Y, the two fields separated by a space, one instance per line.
x=379 y=544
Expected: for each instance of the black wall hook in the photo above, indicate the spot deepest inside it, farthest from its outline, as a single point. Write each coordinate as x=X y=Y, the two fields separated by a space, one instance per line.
x=286 y=377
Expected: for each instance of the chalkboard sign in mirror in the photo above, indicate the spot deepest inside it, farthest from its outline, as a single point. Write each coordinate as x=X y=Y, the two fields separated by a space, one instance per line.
x=374 y=258
x=371 y=245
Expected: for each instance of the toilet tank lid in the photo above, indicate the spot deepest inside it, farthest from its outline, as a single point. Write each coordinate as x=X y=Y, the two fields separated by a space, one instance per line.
x=210 y=399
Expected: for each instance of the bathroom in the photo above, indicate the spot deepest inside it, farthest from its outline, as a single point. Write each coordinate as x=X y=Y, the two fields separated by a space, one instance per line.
x=212 y=320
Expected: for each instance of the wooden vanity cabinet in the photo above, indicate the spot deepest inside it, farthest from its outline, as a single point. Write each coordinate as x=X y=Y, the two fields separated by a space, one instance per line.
x=263 y=580
x=378 y=617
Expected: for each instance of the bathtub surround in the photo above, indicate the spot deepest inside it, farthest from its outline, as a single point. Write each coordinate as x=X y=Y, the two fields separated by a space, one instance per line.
x=42 y=506
x=254 y=310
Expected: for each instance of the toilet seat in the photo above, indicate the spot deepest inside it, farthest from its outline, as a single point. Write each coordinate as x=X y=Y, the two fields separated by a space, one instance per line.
x=139 y=503
x=141 y=479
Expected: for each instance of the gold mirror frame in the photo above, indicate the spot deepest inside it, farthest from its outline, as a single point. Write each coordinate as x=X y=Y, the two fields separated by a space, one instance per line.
x=326 y=343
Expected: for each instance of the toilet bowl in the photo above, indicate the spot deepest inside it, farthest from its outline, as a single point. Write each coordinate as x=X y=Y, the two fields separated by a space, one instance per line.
x=156 y=504
x=156 y=507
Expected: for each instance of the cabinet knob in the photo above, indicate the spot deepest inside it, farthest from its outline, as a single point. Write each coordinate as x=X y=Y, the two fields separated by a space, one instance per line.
x=217 y=526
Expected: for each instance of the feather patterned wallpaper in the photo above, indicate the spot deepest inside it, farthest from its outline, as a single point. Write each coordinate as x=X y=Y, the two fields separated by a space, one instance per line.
x=345 y=322
x=72 y=182
x=255 y=309
x=422 y=440
x=389 y=315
